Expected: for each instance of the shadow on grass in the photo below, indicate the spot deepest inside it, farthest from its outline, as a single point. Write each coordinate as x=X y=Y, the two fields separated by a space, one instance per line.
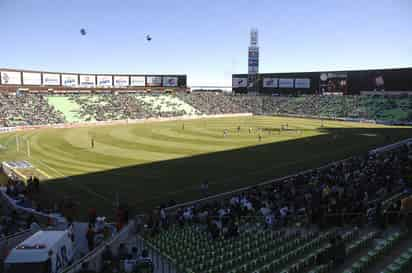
x=148 y=185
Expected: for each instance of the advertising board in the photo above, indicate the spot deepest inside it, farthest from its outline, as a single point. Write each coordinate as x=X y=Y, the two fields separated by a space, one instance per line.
x=137 y=81
x=10 y=77
x=51 y=79
x=154 y=81
x=170 y=81
x=302 y=83
x=285 y=83
x=69 y=80
x=31 y=78
x=104 y=81
x=239 y=82
x=87 y=80
x=121 y=81
x=270 y=82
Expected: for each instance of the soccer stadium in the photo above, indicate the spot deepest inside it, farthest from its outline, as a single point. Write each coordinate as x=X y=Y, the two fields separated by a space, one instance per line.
x=283 y=172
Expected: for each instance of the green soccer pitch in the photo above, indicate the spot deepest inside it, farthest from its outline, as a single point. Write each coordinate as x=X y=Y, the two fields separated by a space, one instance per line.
x=149 y=164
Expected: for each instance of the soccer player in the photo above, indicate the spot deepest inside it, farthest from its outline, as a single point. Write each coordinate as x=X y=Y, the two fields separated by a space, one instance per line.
x=238 y=129
x=183 y=126
x=224 y=132
x=250 y=130
x=260 y=137
x=92 y=142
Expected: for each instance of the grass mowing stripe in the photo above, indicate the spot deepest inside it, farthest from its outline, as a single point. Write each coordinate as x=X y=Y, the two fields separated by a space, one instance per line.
x=83 y=188
x=239 y=160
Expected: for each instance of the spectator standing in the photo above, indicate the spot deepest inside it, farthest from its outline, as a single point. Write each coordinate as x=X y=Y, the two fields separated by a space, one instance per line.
x=90 y=237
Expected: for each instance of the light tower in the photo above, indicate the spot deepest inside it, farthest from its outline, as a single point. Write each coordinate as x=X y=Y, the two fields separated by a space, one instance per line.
x=253 y=62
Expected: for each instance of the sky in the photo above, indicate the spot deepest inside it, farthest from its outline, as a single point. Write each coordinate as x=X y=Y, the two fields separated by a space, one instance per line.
x=205 y=39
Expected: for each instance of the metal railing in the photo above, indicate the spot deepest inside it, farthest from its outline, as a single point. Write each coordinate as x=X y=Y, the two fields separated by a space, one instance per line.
x=7 y=243
x=162 y=263
x=93 y=259
x=42 y=218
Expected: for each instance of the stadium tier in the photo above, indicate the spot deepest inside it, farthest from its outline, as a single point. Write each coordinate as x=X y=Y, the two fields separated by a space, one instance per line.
x=350 y=216
x=26 y=108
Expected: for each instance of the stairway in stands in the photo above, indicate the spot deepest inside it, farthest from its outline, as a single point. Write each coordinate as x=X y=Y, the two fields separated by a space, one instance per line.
x=390 y=252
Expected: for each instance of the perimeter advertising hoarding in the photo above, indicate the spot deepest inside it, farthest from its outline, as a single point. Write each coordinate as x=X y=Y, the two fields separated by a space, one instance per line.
x=121 y=81
x=104 y=81
x=137 y=81
x=302 y=83
x=30 y=78
x=285 y=83
x=51 y=79
x=69 y=80
x=10 y=77
x=154 y=81
x=270 y=82
x=170 y=81
x=239 y=82
x=87 y=80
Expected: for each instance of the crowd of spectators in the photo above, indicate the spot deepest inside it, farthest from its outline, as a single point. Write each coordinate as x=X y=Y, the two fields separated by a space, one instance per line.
x=23 y=193
x=34 y=109
x=318 y=197
x=27 y=109
x=363 y=107
x=12 y=221
x=110 y=107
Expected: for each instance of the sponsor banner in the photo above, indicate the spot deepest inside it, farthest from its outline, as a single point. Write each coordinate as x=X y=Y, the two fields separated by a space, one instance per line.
x=302 y=83
x=239 y=82
x=121 y=81
x=104 y=81
x=10 y=77
x=87 y=80
x=69 y=80
x=285 y=83
x=154 y=81
x=333 y=75
x=137 y=81
x=270 y=82
x=170 y=81
x=51 y=79
x=30 y=78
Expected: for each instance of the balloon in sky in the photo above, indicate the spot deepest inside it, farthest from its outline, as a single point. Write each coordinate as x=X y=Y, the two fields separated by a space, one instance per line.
x=148 y=37
x=83 y=31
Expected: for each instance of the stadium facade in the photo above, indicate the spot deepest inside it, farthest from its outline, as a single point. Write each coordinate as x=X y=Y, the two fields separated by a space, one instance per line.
x=11 y=79
x=351 y=82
